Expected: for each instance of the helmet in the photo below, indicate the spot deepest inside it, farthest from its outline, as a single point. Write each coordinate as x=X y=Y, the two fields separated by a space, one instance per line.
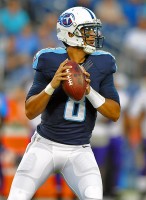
x=73 y=21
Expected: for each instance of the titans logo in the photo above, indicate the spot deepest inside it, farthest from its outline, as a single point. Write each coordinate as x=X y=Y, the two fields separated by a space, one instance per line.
x=66 y=20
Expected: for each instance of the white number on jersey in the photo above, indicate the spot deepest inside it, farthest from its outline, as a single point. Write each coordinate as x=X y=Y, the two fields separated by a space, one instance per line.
x=75 y=110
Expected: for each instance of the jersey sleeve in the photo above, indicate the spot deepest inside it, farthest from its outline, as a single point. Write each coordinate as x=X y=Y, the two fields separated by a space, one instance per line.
x=39 y=84
x=110 y=64
x=107 y=87
x=105 y=62
x=113 y=64
x=39 y=61
x=108 y=90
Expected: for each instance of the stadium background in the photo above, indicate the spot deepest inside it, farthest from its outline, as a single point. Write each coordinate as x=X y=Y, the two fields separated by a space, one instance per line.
x=27 y=26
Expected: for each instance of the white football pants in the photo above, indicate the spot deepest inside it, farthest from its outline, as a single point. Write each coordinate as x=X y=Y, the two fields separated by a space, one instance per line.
x=43 y=157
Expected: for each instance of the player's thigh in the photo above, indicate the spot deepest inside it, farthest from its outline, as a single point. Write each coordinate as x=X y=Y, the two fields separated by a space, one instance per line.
x=34 y=169
x=83 y=176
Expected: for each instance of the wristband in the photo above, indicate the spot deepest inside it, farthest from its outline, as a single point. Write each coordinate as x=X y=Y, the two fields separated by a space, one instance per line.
x=95 y=98
x=49 y=89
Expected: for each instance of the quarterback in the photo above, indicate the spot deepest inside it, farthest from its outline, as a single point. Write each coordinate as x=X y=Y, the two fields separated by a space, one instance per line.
x=62 y=139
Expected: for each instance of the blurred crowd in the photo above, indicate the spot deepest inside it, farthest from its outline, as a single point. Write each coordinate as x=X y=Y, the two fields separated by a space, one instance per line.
x=26 y=26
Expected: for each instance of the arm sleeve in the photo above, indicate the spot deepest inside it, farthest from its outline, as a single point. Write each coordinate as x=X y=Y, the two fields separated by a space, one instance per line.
x=113 y=64
x=108 y=90
x=39 y=84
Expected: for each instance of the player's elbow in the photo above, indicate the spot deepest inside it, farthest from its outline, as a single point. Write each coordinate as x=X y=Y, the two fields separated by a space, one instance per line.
x=116 y=116
x=29 y=115
x=30 y=110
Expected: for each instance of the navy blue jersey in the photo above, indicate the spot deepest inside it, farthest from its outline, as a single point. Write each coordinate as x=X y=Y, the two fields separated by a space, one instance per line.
x=64 y=120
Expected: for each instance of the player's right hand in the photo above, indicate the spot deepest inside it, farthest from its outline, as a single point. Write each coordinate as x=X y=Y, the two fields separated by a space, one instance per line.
x=60 y=75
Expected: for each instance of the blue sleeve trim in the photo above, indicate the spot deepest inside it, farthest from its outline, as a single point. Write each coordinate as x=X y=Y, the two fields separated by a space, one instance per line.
x=47 y=50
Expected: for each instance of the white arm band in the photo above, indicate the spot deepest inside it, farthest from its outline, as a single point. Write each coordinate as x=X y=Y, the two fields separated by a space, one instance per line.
x=49 y=89
x=95 y=98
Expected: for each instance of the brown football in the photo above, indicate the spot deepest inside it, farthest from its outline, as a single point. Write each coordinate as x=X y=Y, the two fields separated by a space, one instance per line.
x=75 y=86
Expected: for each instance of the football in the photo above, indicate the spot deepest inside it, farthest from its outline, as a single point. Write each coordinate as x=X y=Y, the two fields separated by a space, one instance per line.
x=75 y=86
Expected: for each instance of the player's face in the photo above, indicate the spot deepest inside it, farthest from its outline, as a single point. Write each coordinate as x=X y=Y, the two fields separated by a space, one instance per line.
x=89 y=34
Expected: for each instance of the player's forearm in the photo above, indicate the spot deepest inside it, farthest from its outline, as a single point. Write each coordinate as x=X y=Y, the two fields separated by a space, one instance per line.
x=107 y=107
x=36 y=104
x=110 y=109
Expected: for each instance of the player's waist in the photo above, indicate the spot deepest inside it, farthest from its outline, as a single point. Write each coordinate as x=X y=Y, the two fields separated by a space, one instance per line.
x=69 y=138
x=46 y=141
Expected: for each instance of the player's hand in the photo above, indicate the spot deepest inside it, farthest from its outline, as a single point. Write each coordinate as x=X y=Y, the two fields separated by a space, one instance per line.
x=88 y=83
x=87 y=78
x=60 y=75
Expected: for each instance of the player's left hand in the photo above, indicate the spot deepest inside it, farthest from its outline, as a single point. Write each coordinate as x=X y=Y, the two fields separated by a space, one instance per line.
x=87 y=78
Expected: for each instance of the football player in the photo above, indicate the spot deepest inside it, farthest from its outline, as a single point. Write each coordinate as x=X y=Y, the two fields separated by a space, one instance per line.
x=62 y=139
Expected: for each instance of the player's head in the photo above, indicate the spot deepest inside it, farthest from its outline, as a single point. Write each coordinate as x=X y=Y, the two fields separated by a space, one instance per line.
x=78 y=26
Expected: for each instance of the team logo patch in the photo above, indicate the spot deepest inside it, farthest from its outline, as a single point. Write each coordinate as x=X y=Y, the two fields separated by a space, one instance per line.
x=66 y=20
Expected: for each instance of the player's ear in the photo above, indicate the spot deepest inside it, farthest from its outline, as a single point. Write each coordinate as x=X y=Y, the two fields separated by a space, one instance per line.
x=70 y=34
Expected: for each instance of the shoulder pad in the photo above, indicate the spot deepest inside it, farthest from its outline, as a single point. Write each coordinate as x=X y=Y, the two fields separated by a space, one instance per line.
x=46 y=50
x=108 y=63
x=101 y=52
